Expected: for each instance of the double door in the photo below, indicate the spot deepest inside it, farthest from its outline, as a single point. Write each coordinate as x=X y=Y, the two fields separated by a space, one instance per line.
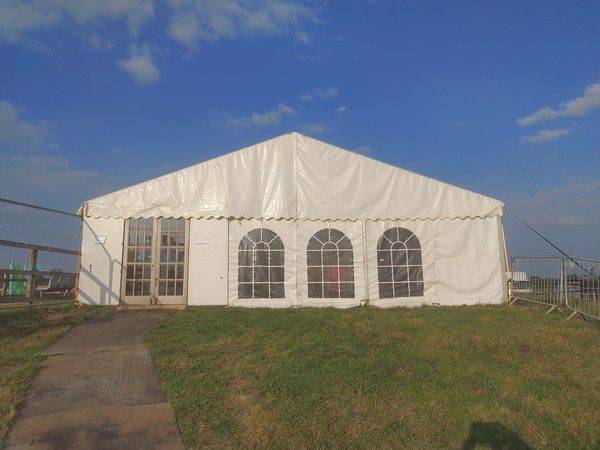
x=155 y=261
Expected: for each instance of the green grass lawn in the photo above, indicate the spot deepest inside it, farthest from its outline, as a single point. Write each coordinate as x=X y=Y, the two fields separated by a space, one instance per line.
x=24 y=334
x=454 y=377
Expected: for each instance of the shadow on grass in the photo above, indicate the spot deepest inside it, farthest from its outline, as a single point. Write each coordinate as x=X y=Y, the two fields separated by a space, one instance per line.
x=494 y=435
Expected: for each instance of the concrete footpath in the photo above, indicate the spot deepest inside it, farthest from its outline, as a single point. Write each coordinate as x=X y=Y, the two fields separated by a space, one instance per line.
x=97 y=389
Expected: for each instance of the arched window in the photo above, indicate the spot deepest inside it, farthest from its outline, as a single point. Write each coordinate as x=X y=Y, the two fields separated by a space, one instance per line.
x=330 y=263
x=261 y=265
x=399 y=263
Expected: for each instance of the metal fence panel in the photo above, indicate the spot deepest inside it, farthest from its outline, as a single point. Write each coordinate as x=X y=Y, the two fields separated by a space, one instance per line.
x=568 y=282
x=39 y=254
x=582 y=286
x=537 y=280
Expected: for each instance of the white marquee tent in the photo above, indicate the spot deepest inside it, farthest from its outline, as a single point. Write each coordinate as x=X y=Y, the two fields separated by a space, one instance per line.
x=292 y=221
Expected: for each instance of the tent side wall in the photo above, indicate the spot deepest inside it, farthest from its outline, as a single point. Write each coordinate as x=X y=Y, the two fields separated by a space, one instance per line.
x=462 y=261
x=469 y=261
x=101 y=256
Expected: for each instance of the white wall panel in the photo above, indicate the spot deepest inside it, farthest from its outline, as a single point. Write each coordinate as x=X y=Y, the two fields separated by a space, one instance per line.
x=207 y=274
x=102 y=252
x=468 y=262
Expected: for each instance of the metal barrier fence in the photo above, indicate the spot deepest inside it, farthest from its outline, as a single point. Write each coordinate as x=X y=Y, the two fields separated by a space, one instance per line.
x=569 y=282
x=39 y=255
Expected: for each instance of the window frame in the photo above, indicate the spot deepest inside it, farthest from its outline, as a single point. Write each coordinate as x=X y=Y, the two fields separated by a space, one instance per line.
x=261 y=268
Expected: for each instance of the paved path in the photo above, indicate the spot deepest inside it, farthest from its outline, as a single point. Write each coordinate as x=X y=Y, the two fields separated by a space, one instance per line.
x=97 y=389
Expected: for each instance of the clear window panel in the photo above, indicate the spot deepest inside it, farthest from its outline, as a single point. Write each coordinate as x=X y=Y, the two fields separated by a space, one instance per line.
x=346 y=290
x=244 y=290
x=277 y=290
x=403 y=268
x=276 y=275
x=415 y=273
x=261 y=290
x=261 y=260
x=330 y=258
x=416 y=289
x=315 y=290
x=315 y=274
x=400 y=274
x=244 y=258
x=399 y=257
x=277 y=258
x=385 y=274
x=245 y=275
x=346 y=257
x=384 y=257
x=400 y=289
x=386 y=290
x=313 y=258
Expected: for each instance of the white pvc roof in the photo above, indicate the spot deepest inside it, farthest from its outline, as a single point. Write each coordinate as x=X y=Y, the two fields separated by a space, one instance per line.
x=293 y=177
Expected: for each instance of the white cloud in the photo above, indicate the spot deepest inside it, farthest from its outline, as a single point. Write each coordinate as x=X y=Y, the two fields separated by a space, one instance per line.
x=314 y=128
x=185 y=27
x=567 y=213
x=342 y=109
x=51 y=180
x=329 y=92
x=97 y=42
x=576 y=107
x=326 y=92
x=16 y=131
x=18 y=18
x=301 y=37
x=140 y=65
x=269 y=118
x=547 y=135
x=571 y=203
x=210 y=20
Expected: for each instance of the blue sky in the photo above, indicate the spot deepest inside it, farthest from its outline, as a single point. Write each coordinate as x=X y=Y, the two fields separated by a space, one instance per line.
x=502 y=98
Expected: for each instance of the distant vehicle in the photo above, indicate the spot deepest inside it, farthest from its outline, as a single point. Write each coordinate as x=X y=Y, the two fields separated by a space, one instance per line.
x=520 y=282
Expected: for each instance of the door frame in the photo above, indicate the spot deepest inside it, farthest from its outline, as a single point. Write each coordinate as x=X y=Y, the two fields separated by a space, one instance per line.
x=153 y=298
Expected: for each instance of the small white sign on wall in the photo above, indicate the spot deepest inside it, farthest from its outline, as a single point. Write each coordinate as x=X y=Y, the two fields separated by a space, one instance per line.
x=203 y=244
x=101 y=238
